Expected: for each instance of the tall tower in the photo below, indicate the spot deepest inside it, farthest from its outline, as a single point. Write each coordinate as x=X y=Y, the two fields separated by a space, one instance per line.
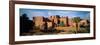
x=55 y=19
x=65 y=20
x=39 y=20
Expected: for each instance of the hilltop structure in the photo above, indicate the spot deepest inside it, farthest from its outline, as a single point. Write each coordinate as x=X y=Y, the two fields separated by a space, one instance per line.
x=56 y=21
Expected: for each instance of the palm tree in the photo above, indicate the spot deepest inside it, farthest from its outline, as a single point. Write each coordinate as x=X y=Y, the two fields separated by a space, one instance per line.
x=76 y=20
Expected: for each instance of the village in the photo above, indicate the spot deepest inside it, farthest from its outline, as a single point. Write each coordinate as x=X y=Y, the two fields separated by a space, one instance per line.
x=58 y=25
x=56 y=22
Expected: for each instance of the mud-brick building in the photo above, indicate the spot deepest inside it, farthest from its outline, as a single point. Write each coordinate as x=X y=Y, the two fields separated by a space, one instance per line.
x=54 y=19
x=49 y=24
x=39 y=20
x=64 y=20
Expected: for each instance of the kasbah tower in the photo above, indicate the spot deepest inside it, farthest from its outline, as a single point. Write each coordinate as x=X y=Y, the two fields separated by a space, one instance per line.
x=51 y=21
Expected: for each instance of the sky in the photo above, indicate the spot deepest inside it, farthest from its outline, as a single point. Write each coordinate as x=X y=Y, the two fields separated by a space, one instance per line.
x=49 y=12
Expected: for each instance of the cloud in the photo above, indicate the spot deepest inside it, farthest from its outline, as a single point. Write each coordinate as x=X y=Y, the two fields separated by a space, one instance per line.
x=46 y=13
